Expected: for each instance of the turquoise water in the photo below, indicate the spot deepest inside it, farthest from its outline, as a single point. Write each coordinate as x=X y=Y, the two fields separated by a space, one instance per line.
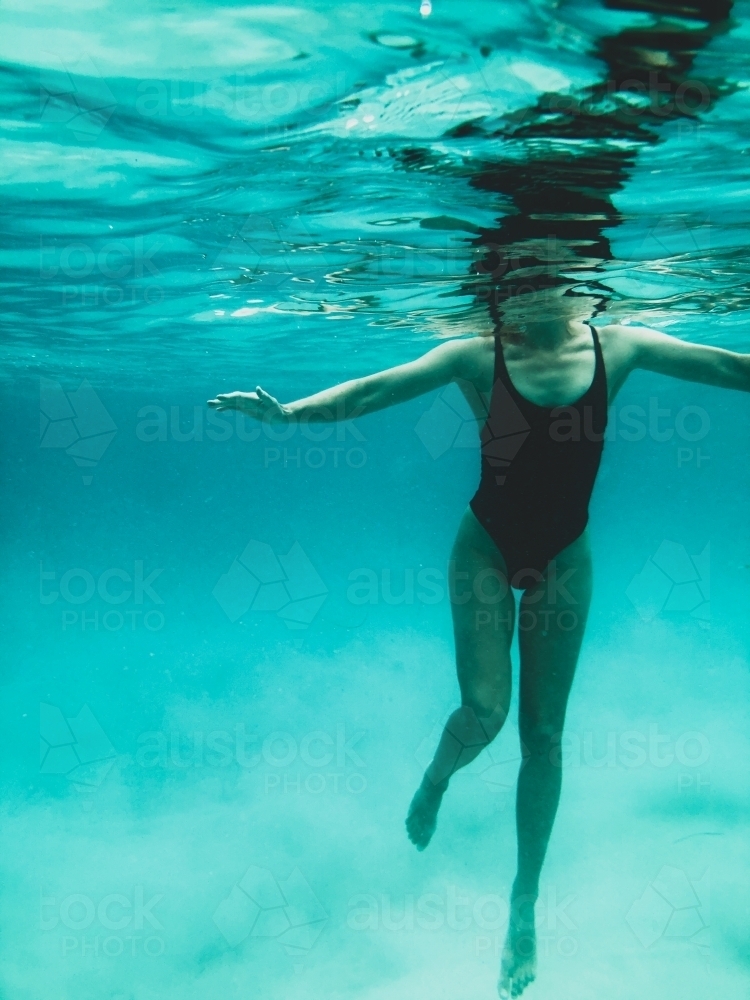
x=234 y=645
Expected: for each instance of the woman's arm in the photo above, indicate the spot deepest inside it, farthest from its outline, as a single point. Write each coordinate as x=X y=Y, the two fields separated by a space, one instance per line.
x=658 y=352
x=359 y=396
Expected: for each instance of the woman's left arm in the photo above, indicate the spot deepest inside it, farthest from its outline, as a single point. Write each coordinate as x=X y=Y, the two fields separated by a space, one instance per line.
x=658 y=352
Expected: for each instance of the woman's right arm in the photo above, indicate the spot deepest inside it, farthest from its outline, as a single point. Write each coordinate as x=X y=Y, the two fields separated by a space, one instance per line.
x=359 y=396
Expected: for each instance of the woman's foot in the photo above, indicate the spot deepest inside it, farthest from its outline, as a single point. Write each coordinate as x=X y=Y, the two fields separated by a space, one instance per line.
x=421 y=819
x=518 y=966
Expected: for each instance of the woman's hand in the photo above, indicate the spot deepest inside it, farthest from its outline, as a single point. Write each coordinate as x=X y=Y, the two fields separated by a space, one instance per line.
x=258 y=404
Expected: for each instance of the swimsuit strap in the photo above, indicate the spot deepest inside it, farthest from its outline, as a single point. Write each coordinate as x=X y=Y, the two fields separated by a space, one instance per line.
x=597 y=346
x=600 y=372
x=501 y=369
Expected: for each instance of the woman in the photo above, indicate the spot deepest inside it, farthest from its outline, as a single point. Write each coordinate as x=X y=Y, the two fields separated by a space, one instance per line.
x=548 y=377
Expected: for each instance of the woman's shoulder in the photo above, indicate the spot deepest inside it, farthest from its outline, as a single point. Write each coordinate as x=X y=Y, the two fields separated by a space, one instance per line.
x=619 y=337
x=621 y=343
x=475 y=354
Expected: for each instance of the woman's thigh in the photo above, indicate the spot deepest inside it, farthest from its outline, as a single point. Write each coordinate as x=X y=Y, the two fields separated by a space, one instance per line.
x=551 y=623
x=483 y=611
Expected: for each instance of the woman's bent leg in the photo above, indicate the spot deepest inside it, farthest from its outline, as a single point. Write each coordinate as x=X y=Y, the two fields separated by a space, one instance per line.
x=483 y=613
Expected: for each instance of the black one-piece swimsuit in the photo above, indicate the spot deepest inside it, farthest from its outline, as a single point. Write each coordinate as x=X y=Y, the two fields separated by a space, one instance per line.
x=539 y=464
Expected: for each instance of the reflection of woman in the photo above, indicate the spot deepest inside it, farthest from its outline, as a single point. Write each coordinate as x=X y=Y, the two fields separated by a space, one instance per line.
x=548 y=377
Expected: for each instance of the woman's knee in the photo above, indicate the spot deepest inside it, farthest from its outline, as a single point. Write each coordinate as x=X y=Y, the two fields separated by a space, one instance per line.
x=489 y=706
x=539 y=737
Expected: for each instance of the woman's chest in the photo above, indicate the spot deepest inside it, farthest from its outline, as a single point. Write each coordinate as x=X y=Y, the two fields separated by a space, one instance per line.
x=550 y=379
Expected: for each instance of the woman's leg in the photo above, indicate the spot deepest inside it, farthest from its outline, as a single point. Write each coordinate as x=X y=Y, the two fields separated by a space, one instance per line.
x=483 y=611
x=551 y=622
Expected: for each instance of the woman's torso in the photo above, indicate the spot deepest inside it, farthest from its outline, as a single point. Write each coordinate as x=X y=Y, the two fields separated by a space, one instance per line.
x=541 y=454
